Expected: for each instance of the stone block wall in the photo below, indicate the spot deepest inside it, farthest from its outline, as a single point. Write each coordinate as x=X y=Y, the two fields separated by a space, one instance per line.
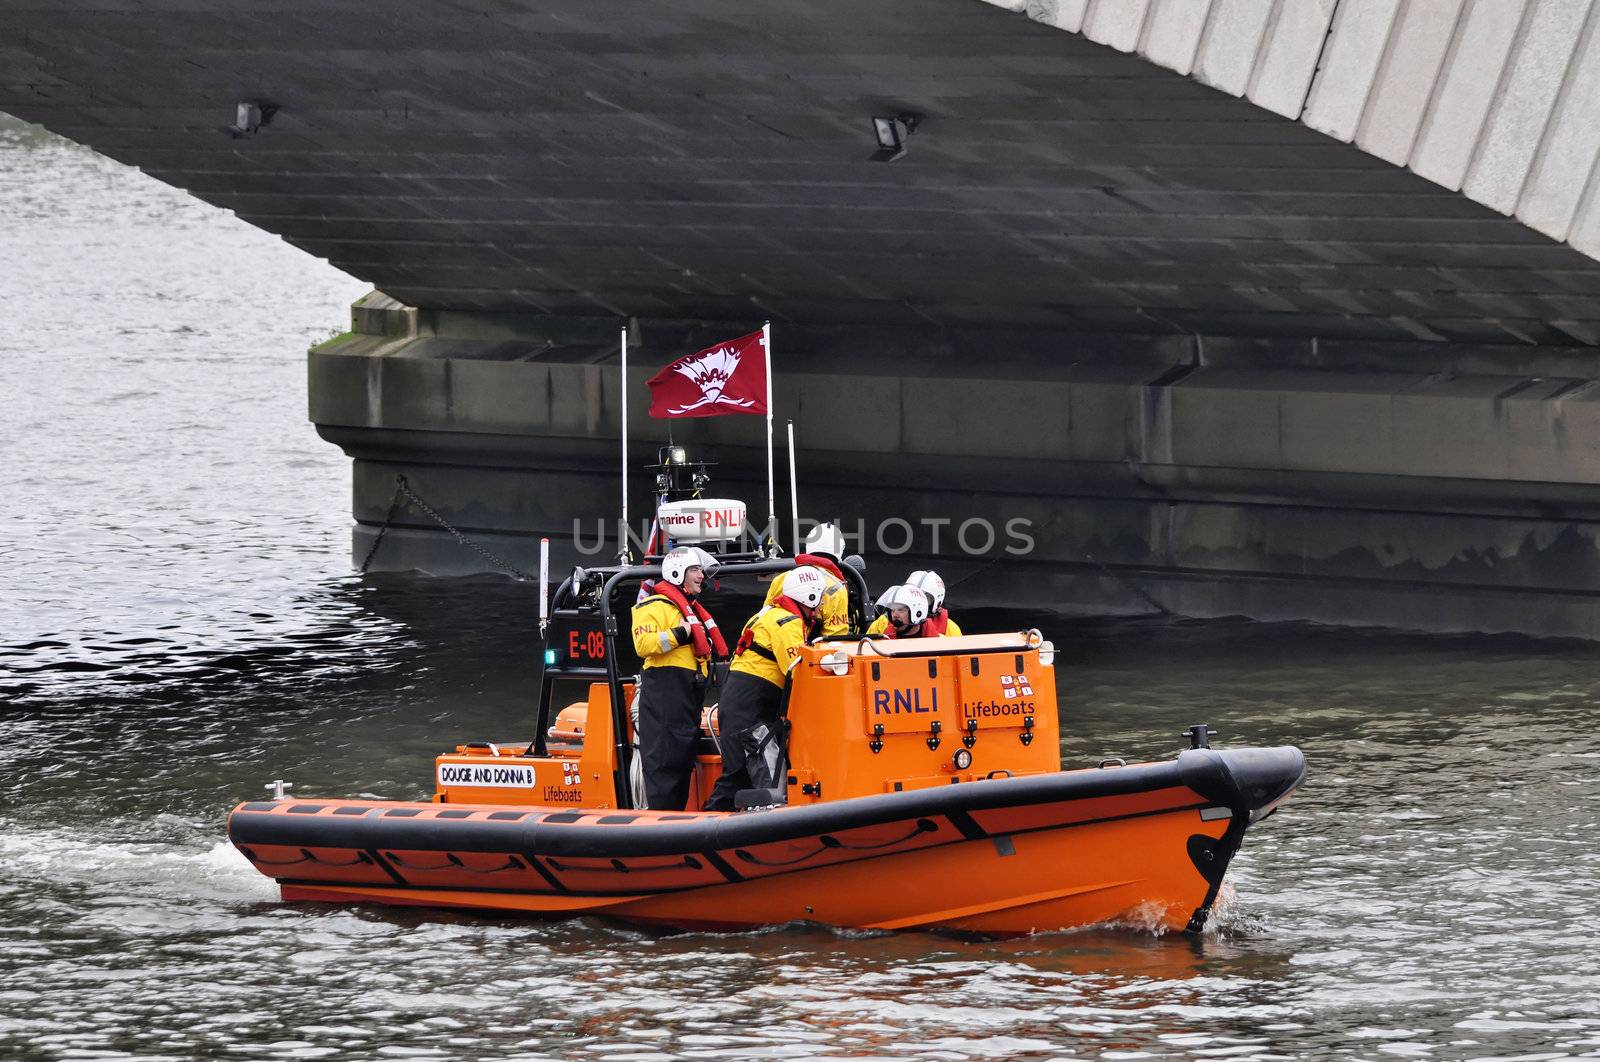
x=1193 y=474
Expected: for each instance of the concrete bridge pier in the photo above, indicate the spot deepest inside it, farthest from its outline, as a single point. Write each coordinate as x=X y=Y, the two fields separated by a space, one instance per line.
x=1441 y=489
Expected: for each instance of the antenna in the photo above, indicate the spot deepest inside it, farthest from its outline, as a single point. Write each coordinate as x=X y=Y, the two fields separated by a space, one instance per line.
x=622 y=546
x=794 y=498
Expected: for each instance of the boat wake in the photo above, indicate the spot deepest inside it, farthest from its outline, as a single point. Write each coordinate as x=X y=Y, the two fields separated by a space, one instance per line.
x=197 y=867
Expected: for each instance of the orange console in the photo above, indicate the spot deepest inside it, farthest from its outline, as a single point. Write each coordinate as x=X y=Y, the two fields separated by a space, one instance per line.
x=876 y=716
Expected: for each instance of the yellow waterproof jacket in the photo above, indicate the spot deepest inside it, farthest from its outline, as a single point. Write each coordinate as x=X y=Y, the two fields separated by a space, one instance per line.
x=655 y=636
x=776 y=635
x=835 y=607
x=952 y=629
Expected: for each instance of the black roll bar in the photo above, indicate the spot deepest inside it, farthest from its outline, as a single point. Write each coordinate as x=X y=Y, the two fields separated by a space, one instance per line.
x=623 y=749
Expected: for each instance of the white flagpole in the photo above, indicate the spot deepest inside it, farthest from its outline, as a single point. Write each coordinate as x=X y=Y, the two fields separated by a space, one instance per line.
x=544 y=585
x=622 y=547
x=794 y=497
x=772 y=505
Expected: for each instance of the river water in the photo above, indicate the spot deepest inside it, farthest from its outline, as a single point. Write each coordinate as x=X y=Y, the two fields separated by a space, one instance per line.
x=179 y=625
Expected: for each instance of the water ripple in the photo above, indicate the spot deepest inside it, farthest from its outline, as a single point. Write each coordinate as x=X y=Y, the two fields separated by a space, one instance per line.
x=181 y=627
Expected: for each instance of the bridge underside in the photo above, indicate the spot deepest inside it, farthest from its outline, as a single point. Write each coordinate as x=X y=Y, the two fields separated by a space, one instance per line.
x=1204 y=350
x=709 y=159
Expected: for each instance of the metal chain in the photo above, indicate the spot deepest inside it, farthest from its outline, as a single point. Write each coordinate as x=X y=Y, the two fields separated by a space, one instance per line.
x=510 y=569
x=402 y=487
x=394 y=507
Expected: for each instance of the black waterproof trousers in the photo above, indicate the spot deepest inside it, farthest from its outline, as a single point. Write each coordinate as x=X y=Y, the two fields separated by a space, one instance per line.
x=748 y=720
x=669 y=728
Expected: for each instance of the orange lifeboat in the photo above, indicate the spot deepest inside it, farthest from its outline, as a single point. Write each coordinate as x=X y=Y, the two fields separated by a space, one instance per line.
x=924 y=789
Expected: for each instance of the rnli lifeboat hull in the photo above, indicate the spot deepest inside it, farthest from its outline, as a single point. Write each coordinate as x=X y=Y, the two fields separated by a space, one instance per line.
x=1006 y=856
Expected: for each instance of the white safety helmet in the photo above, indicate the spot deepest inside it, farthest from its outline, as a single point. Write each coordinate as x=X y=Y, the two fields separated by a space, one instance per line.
x=825 y=539
x=805 y=586
x=930 y=584
x=914 y=600
x=676 y=565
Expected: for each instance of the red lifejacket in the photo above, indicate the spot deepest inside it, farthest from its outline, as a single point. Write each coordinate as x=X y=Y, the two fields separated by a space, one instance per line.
x=703 y=630
x=789 y=604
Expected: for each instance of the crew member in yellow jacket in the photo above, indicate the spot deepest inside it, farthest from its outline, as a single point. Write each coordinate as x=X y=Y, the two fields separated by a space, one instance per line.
x=937 y=622
x=677 y=639
x=824 y=549
x=749 y=715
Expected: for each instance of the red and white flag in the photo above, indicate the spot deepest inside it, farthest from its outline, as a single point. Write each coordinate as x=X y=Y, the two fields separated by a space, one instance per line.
x=728 y=378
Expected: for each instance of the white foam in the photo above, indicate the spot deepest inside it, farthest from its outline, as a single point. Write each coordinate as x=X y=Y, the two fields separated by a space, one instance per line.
x=204 y=870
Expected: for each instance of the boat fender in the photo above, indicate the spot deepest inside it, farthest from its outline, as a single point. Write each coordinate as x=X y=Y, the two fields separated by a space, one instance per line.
x=1242 y=779
x=635 y=759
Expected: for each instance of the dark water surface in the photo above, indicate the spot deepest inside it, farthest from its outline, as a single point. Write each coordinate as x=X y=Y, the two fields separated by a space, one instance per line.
x=178 y=626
